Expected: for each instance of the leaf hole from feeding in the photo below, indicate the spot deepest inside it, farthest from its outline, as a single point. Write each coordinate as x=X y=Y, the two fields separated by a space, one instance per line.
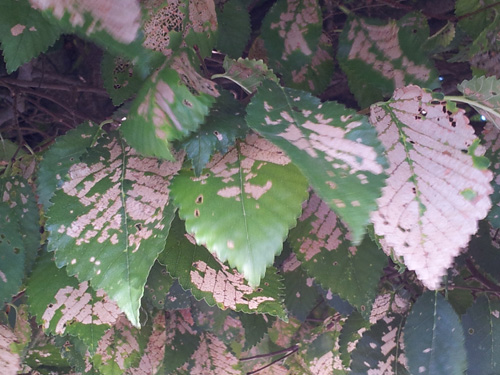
x=471 y=331
x=199 y=199
x=138 y=226
x=494 y=93
x=196 y=213
x=335 y=263
x=266 y=283
x=187 y=103
x=362 y=307
x=258 y=290
x=453 y=124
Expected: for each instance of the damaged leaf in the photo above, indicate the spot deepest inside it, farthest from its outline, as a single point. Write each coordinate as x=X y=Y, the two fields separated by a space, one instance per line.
x=113 y=212
x=434 y=195
x=242 y=205
x=9 y=361
x=491 y=138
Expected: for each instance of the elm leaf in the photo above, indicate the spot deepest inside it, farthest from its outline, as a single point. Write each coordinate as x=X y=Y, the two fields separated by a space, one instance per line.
x=234 y=20
x=334 y=147
x=242 y=205
x=434 y=195
x=9 y=360
x=113 y=212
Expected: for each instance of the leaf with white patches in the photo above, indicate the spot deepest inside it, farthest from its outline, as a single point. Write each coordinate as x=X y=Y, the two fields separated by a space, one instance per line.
x=379 y=58
x=483 y=94
x=322 y=244
x=208 y=278
x=352 y=331
x=491 y=138
x=242 y=205
x=64 y=306
x=200 y=26
x=172 y=103
x=24 y=33
x=482 y=333
x=433 y=337
x=435 y=194
x=381 y=350
x=388 y=303
x=335 y=148
x=110 y=220
x=9 y=361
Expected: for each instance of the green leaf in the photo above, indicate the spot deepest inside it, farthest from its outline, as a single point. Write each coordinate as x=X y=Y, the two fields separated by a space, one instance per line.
x=423 y=207
x=484 y=249
x=215 y=282
x=76 y=353
x=24 y=33
x=234 y=21
x=481 y=326
x=379 y=58
x=433 y=337
x=65 y=152
x=243 y=204
x=224 y=124
x=322 y=244
x=491 y=138
x=483 y=94
x=165 y=109
x=379 y=351
x=256 y=326
x=157 y=286
x=64 y=306
x=335 y=148
x=112 y=213
x=246 y=73
x=351 y=333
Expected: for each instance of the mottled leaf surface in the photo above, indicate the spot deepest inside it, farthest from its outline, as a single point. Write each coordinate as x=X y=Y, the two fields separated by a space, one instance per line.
x=165 y=109
x=435 y=194
x=484 y=94
x=24 y=33
x=9 y=361
x=323 y=246
x=379 y=58
x=63 y=306
x=157 y=286
x=481 y=326
x=335 y=148
x=352 y=330
x=242 y=205
x=110 y=219
x=433 y=337
x=208 y=278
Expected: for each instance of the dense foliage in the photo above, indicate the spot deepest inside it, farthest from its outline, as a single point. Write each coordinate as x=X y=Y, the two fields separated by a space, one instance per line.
x=271 y=187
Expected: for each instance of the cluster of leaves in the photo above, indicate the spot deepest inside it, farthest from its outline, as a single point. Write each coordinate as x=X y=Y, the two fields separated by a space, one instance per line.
x=224 y=215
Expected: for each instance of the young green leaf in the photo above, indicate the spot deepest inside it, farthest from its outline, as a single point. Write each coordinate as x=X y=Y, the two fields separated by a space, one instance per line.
x=483 y=93
x=335 y=148
x=379 y=58
x=112 y=213
x=9 y=360
x=24 y=33
x=242 y=205
x=433 y=337
x=435 y=194
x=482 y=333
x=323 y=246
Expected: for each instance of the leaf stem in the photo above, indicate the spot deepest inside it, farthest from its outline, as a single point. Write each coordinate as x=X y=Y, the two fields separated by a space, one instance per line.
x=472 y=103
x=292 y=348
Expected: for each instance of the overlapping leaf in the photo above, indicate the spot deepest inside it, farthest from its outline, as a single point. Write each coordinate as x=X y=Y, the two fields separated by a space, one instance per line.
x=234 y=19
x=207 y=278
x=484 y=95
x=157 y=286
x=379 y=58
x=110 y=220
x=24 y=33
x=242 y=205
x=335 y=148
x=9 y=361
x=484 y=248
x=433 y=337
x=435 y=194
x=166 y=109
x=491 y=138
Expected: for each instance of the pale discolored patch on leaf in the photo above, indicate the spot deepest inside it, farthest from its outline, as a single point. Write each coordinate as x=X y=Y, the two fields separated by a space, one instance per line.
x=112 y=213
x=435 y=194
x=191 y=78
x=9 y=361
x=120 y=18
x=388 y=303
x=243 y=204
x=335 y=148
x=484 y=94
x=120 y=78
x=322 y=243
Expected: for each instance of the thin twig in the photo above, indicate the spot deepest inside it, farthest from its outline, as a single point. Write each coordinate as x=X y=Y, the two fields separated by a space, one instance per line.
x=273 y=362
x=293 y=347
x=52 y=86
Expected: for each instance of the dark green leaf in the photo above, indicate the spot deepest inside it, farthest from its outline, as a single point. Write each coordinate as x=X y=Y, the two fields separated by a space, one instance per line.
x=352 y=330
x=484 y=248
x=491 y=139
x=234 y=28
x=157 y=286
x=177 y=298
x=256 y=326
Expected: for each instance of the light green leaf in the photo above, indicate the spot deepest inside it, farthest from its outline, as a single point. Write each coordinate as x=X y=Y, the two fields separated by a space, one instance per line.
x=423 y=208
x=57 y=160
x=64 y=306
x=234 y=21
x=223 y=125
x=165 y=109
x=379 y=58
x=110 y=219
x=246 y=73
x=482 y=332
x=208 y=278
x=322 y=244
x=243 y=204
x=483 y=94
x=433 y=337
x=335 y=148
x=24 y=33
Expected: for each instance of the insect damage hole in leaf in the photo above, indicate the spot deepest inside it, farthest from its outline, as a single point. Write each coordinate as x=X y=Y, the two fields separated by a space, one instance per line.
x=423 y=214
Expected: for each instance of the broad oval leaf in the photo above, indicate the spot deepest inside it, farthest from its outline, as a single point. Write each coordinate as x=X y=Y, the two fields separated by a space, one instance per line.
x=433 y=338
x=435 y=194
x=110 y=220
x=335 y=148
x=234 y=19
x=243 y=204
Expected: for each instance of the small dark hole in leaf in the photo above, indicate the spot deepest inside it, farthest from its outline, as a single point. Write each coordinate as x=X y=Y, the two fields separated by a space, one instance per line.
x=362 y=307
x=449 y=113
x=335 y=263
x=412 y=142
x=464 y=151
x=258 y=290
x=414 y=190
x=246 y=298
x=199 y=199
x=51 y=305
x=471 y=331
x=296 y=109
x=187 y=103
x=16 y=250
x=418 y=118
x=493 y=93
x=266 y=284
x=138 y=226
x=196 y=213
x=406 y=244
x=435 y=102
x=419 y=97
x=453 y=124
x=414 y=31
